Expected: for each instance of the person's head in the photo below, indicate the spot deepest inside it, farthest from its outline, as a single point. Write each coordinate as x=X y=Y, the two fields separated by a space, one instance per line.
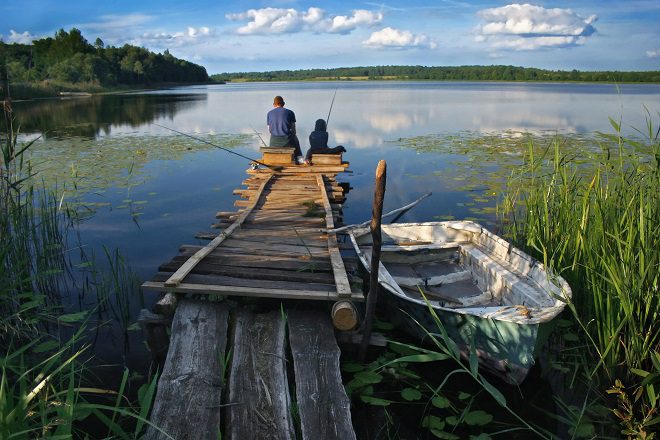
x=320 y=125
x=278 y=101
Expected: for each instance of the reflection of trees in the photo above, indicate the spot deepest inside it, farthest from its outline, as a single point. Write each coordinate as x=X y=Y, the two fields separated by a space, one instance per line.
x=88 y=117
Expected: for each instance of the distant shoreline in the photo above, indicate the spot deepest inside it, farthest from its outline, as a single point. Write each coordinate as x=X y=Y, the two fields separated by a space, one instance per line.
x=443 y=73
x=243 y=81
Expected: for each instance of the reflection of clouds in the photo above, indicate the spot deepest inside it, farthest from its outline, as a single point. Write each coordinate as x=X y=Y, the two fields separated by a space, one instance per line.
x=390 y=122
x=531 y=123
x=356 y=139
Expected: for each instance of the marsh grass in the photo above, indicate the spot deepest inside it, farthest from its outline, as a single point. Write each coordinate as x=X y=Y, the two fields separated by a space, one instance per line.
x=598 y=223
x=43 y=374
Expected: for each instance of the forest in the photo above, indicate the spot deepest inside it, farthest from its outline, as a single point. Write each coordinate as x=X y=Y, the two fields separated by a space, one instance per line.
x=68 y=58
x=458 y=73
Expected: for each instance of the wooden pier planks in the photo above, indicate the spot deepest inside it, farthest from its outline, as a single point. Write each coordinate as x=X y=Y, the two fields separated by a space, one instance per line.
x=285 y=216
x=323 y=406
x=258 y=402
x=185 y=269
x=188 y=400
x=338 y=269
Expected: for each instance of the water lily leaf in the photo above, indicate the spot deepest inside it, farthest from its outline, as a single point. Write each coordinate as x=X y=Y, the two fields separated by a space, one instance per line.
x=583 y=430
x=411 y=394
x=73 y=317
x=433 y=422
x=444 y=435
x=440 y=402
x=376 y=401
x=478 y=418
x=464 y=396
x=368 y=377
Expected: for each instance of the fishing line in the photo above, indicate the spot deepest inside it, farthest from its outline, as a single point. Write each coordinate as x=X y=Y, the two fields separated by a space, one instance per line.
x=218 y=146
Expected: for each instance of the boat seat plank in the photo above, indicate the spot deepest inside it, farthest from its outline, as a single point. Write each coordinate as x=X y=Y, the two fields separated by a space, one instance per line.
x=324 y=408
x=187 y=404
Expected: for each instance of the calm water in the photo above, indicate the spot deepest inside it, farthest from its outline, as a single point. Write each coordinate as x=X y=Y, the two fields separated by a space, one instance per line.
x=150 y=190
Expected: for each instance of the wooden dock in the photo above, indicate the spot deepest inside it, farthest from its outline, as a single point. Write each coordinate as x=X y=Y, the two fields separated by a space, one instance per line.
x=260 y=371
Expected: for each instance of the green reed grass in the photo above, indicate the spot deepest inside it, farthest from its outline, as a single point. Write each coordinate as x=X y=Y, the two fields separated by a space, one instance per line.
x=42 y=391
x=597 y=222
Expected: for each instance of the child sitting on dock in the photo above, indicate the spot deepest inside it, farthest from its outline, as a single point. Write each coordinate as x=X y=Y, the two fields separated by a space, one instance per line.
x=318 y=142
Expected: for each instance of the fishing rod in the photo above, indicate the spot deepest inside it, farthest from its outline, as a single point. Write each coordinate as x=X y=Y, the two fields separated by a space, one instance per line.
x=259 y=136
x=327 y=120
x=218 y=146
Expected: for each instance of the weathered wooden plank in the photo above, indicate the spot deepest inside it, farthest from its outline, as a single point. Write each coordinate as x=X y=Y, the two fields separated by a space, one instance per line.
x=228 y=251
x=255 y=292
x=325 y=169
x=326 y=159
x=266 y=262
x=284 y=248
x=221 y=280
x=258 y=403
x=300 y=240
x=338 y=269
x=180 y=274
x=323 y=406
x=209 y=268
x=188 y=399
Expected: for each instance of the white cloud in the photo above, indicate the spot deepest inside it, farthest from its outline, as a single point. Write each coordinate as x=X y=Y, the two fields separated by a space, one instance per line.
x=164 y=39
x=653 y=53
x=278 y=20
x=117 y=22
x=23 y=38
x=391 y=37
x=529 y=27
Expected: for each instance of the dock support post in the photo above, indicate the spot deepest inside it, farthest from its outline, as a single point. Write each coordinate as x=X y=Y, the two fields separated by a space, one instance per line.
x=376 y=214
x=154 y=328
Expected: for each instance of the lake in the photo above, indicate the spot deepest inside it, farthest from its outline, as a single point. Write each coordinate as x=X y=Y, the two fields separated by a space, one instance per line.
x=145 y=190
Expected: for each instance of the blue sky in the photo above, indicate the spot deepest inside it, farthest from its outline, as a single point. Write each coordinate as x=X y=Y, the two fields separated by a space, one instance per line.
x=290 y=34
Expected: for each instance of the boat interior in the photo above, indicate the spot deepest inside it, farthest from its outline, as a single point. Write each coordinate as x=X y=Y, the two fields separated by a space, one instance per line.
x=459 y=272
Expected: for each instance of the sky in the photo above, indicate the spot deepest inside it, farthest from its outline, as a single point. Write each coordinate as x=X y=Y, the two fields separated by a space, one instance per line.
x=261 y=35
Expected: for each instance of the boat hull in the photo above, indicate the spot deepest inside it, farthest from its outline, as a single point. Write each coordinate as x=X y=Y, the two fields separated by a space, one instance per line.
x=505 y=349
x=484 y=292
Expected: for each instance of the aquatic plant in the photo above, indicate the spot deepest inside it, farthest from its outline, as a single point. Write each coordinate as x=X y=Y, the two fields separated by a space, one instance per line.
x=598 y=224
x=43 y=374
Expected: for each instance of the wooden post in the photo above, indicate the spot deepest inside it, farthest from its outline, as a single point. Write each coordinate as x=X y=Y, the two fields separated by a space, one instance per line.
x=376 y=214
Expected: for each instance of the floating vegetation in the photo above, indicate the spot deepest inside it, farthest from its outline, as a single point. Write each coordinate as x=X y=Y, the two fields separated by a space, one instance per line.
x=81 y=167
x=479 y=164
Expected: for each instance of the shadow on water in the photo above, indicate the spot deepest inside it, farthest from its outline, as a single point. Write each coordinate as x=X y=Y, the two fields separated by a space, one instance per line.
x=94 y=116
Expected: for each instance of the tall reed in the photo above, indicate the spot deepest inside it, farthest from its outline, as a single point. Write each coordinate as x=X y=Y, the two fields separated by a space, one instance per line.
x=41 y=373
x=597 y=221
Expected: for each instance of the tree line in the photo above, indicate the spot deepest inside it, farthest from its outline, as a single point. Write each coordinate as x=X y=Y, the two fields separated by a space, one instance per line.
x=69 y=58
x=458 y=73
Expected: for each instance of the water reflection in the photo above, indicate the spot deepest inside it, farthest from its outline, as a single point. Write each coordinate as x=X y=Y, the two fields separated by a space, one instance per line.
x=96 y=116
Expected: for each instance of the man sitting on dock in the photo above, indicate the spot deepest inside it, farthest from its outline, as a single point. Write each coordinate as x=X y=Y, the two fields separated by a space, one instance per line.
x=282 y=126
x=318 y=142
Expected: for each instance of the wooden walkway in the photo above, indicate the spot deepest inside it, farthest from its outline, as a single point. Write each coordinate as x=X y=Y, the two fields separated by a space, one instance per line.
x=238 y=373
x=273 y=246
